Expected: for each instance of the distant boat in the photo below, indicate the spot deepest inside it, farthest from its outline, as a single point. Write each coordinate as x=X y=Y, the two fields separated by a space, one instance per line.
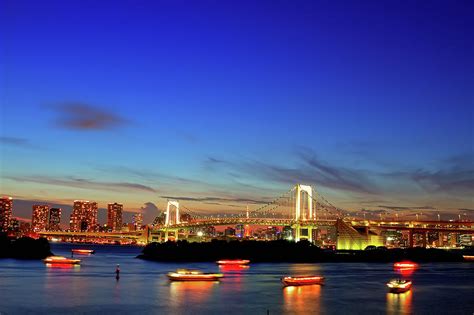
x=399 y=285
x=233 y=262
x=304 y=280
x=60 y=260
x=405 y=265
x=468 y=257
x=193 y=275
x=82 y=251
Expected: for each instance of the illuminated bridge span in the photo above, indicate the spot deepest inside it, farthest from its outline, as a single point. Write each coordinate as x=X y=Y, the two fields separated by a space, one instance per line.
x=302 y=208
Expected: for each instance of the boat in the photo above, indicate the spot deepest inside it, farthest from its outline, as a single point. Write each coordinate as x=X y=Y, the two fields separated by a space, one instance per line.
x=193 y=275
x=82 y=251
x=468 y=257
x=60 y=260
x=405 y=265
x=303 y=280
x=233 y=262
x=399 y=285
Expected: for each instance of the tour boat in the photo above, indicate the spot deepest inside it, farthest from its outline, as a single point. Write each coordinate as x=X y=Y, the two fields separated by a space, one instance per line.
x=305 y=280
x=404 y=265
x=61 y=260
x=468 y=257
x=399 y=285
x=233 y=262
x=193 y=275
x=82 y=251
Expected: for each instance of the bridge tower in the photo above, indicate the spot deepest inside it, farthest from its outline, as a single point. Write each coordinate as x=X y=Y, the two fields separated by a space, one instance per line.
x=168 y=218
x=247 y=227
x=303 y=230
x=174 y=203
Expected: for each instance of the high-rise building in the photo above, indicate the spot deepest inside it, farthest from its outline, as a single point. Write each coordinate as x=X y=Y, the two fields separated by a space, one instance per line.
x=54 y=219
x=84 y=216
x=137 y=221
x=39 y=220
x=6 y=205
x=114 y=216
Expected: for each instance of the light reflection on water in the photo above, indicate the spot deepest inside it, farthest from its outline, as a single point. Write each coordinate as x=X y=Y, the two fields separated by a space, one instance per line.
x=399 y=303
x=31 y=286
x=302 y=299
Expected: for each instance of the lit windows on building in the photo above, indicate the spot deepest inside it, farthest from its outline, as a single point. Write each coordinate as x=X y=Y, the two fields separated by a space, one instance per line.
x=54 y=219
x=84 y=216
x=6 y=206
x=114 y=216
x=137 y=221
x=39 y=220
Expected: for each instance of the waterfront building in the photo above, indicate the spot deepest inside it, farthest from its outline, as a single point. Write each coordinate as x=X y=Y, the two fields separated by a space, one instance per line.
x=54 y=219
x=84 y=216
x=287 y=233
x=209 y=231
x=25 y=228
x=39 y=220
x=229 y=231
x=114 y=216
x=240 y=230
x=137 y=221
x=6 y=206
x=15 y=224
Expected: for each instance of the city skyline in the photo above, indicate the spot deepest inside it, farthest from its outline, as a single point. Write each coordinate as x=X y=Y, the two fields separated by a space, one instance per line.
x=225 y=105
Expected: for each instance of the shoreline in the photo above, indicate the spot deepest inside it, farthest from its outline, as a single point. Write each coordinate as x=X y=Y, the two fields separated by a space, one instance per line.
x=289 y=252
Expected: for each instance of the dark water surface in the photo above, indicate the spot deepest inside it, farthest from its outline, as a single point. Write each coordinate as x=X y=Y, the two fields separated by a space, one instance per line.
x=351 y=288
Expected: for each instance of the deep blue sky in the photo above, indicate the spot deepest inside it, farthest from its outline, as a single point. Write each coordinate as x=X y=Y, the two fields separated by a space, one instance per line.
x=136 y=101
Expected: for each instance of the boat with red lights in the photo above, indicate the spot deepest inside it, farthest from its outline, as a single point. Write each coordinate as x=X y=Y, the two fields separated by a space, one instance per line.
x=405 y=265
x=399 y=285
x=233 y=262
x=82 y=251
x=304 y=280
x=60 y=260
x=193 y=275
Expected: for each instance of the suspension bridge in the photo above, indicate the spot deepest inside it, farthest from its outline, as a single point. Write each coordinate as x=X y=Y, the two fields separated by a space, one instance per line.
x=301 y=208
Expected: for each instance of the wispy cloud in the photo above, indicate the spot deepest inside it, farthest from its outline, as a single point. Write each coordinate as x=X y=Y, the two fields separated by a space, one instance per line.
x=407 y=207
x=80 y=116
x=453 y=175
x=216 y=199
x=16 y=141
x=310 y=170
x=83 y=183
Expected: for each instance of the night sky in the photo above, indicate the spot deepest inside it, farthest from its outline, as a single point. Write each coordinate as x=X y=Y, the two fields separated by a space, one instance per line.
x=224 y=104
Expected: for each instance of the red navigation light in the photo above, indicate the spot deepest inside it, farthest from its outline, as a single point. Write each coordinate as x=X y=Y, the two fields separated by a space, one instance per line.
x=406 y=268
x=405 y=265
x=233 y=262
x=82 y=251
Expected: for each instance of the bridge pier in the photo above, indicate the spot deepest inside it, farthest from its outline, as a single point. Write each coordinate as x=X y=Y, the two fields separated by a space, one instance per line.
x=308 y=233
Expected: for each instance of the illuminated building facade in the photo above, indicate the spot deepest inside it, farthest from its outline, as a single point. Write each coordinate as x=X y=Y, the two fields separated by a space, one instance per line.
x=114 y=216
x=137 y=221
x=54 y=219
x=229 y=231
x=6 y=205
x=39 y=220
x=84 y=216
